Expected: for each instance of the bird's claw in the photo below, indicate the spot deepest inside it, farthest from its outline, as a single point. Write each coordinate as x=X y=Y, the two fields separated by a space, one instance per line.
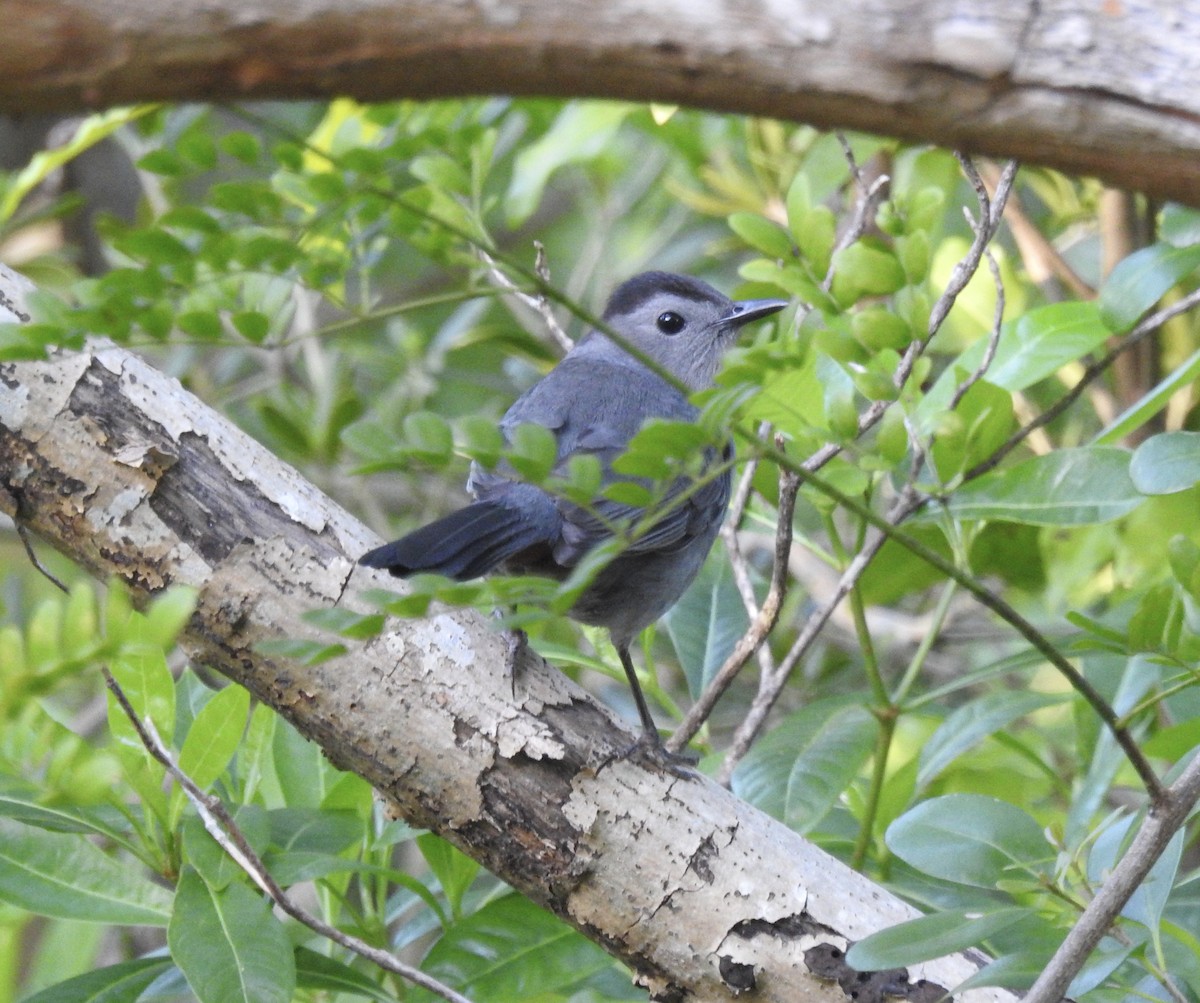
x=650 y=751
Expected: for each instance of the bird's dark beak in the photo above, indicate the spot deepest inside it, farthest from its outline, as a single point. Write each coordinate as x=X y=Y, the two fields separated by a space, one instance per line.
x=746 y=311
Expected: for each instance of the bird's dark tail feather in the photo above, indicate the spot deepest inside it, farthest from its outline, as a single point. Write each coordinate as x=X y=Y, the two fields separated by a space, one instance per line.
x=462 y=545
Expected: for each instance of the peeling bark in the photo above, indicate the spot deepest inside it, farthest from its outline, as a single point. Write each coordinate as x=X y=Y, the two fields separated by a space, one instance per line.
x=1108 y=89
x=702 y=895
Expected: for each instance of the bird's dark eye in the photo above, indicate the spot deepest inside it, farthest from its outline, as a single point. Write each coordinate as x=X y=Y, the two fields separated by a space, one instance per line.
x=669 y=322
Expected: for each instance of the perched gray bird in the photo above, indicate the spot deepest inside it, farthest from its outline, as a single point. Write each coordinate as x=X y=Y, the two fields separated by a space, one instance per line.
x=594 y=401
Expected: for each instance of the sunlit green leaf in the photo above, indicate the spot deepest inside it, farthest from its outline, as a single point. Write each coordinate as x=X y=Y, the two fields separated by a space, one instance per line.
x=1063 y=488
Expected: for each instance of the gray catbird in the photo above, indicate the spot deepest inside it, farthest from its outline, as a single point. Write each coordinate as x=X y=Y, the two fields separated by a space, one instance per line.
x=594 y=401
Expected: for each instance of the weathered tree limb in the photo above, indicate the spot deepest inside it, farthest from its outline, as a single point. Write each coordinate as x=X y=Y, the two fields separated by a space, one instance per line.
x=1107 y=89
x=119 y=467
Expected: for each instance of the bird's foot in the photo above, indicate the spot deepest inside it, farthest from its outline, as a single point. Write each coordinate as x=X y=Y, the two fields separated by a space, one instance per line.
x=650 y=751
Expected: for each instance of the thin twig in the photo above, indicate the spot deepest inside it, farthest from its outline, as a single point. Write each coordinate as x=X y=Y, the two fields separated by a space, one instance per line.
x=737 y=560
x=864 y=206
x=756 y=717
x=760 y=627
x=23 y=533
x=991 y=209
x=535 y=301
x=887 y=524
x=1166 y=816
x=1042 y=259
x=224 y=830
x=993 y=342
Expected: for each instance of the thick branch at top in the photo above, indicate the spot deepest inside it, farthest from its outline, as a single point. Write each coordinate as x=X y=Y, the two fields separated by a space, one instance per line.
x=1108 y=89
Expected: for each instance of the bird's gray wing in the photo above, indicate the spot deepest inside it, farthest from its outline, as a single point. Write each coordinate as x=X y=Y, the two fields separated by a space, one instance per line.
x=595 y=408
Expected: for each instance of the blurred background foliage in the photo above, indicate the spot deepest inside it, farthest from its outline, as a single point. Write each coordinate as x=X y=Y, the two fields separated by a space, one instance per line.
x=337 y=279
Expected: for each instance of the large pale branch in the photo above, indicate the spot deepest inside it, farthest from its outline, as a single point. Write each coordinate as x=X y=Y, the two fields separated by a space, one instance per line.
x=119 y=467
x=1108 y=89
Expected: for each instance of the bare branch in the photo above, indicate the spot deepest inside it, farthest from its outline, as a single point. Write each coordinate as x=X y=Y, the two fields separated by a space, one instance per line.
x=1041 y=258
x=737 y=561
x=762 y=625
x=535 y=301
x=991 y=209
x=35 y=560
x=993 y=342
x=752 y=724
x=1166 y=816
x=225 y=831
x=869 y=197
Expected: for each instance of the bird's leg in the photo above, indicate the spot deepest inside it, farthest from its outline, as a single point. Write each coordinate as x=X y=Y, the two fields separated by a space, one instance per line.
x=648 y=726
x=515 y=643
x=650 y=745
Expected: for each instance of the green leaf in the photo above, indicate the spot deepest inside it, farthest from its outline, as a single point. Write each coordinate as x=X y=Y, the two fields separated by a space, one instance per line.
x=1166 y=463
x=154 y=246
x=228 y=945
x=454 y=869
x=583 y=479
x=23 y=806
x=1152 y=402
x=983 y=421
x=316 y=971
x=533 y=452
x=214 y=736
x=314 y=830
x=241 y=146
x=929 y=937
x=66 y=876
x=761 y=234
x=799 y=771
x=121 y=983
x=1179 y=225
x=865 y=270
x=877 y=328
x=583 y=131
x=511 y=951
x=707 y=621
x=216 y=867
x=252 y=325
x=168 y=615
x=91 y=131
x=428 y=436
x=969 y=839
x=346 y=622
x=798 y=200
x=1069 y=487
x=482 y=439
x=1149 y=900
x=143 y=675
x=1036 y=346
x=974 y=722
x=301 y=649
x=203 y=324
x=1140 y=280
